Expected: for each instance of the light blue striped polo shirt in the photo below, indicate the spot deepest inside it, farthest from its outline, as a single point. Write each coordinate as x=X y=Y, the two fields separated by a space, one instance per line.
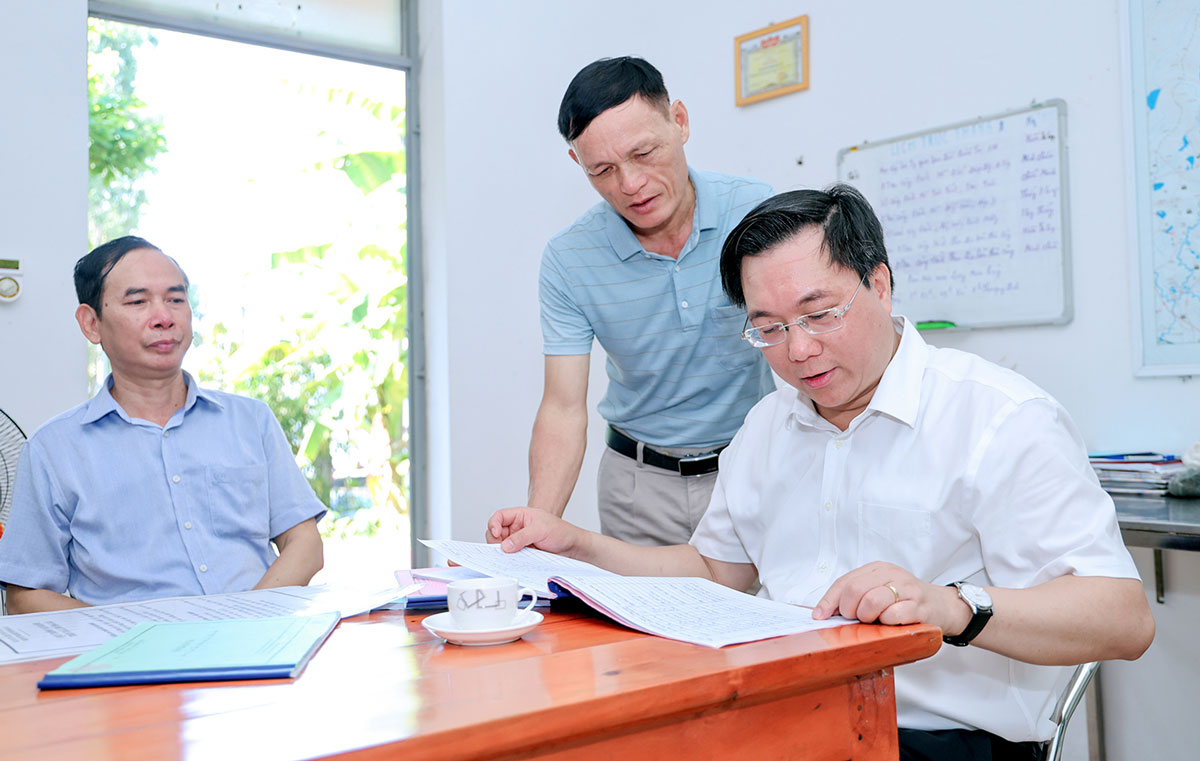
x=679 y=373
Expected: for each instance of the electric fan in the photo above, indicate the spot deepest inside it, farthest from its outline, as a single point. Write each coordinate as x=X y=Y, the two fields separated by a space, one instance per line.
x=12 y=438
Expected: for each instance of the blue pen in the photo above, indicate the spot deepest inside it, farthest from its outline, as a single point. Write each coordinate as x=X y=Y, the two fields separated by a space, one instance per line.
x=1132 y=456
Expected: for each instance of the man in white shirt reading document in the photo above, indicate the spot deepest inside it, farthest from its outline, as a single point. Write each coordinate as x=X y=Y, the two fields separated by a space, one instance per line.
x=898 y=483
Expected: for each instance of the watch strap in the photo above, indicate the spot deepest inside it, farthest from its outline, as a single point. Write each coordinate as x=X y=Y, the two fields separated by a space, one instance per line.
x=979 y=619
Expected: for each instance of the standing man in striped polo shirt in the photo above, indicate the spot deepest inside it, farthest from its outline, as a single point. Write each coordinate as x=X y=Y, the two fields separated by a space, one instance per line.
x=638 y=272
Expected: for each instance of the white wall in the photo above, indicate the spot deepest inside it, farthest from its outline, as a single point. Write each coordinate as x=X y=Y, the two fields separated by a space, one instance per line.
x=878 y=69
x=43 y=205
x=508 y=184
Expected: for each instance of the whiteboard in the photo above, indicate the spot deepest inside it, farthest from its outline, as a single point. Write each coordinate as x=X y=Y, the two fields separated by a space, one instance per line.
x=975 y=217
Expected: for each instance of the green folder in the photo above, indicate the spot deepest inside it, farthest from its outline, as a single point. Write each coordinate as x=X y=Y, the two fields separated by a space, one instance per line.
x=198 y=651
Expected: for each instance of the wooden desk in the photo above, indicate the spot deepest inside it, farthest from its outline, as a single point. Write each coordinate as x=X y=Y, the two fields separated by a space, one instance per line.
x=577 y=687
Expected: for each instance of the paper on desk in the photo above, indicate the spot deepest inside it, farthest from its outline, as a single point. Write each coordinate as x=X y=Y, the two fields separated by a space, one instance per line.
x=692 y=609
x=34 y=636
x=452 y=573
x=530 y=567
x=412 y=589
x=687 y=609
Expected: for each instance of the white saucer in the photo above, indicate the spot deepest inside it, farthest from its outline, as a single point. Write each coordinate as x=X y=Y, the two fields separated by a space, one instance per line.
x=440 y=625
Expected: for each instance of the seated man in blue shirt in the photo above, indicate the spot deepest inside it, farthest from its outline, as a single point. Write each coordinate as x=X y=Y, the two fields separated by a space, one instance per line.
x=154 y=487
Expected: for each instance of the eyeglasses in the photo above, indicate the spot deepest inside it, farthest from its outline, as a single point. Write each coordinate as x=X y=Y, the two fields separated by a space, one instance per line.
x=816 y=323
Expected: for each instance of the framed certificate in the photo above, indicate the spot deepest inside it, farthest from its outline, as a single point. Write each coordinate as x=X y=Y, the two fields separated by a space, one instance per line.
x=772 y=61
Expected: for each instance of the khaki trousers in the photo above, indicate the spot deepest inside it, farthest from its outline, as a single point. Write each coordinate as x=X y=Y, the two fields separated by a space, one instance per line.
x=645 y=505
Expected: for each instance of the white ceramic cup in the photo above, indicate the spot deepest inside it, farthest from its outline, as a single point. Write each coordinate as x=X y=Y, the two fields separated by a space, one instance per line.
x=485 y=604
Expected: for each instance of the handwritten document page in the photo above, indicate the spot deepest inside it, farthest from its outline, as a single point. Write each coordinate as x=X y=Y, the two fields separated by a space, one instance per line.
x=692 y=610
x=687 y=609
x=34 y=636
x=530 y=567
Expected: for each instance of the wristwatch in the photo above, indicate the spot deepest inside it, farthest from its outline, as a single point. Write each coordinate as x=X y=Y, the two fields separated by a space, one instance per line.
x=980 y=603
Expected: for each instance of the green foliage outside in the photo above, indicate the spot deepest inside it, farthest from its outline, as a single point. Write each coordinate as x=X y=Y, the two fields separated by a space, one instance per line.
x=334 y=373
x=123 y=138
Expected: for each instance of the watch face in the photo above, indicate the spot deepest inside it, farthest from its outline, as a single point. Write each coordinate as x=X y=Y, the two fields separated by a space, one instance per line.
x=977 y=596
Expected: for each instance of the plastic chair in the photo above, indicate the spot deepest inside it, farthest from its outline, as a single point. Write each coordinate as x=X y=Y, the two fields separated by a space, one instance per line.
x=1067 y=703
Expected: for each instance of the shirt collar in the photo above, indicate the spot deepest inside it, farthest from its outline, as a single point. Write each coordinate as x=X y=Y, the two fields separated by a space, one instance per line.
x=704 y=217
x=707 y=216
x=898 y=394
x=103 y=403
x=803 y=413
x=196 y=392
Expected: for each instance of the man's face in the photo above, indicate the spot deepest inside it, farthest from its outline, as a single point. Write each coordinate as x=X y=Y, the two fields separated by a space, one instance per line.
x=633 y=156
x=145 y=322
x=838 y=371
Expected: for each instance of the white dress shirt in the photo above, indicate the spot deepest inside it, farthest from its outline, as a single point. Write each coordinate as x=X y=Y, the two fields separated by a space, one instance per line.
x=957 y=470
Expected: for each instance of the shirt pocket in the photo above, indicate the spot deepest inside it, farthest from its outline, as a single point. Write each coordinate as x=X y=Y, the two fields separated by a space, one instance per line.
x=721 y=335
x=237 y=501
x=899 y=535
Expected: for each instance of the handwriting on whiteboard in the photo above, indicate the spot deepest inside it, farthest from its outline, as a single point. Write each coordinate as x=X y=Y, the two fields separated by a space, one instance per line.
x=971 y=215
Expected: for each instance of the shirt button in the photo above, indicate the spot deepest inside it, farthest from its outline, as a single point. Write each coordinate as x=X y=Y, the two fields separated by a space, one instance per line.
x=676 y=267
x=175 y=479
x=828 y=506
x=188 y=525
x=203 y=568
x=683 y=304
x=837 y=443
x=822 y=568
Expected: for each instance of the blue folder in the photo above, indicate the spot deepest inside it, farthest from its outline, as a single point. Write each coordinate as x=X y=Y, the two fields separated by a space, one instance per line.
x=198 y=651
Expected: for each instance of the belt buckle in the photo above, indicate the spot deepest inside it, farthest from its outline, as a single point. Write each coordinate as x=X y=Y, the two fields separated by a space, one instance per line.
x=695 y=465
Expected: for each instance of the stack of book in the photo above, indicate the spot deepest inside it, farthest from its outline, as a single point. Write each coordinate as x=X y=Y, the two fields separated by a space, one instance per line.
x=1135 y=473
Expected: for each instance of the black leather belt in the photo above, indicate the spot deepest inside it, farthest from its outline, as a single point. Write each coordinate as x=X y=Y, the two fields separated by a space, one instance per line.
x=691 y=465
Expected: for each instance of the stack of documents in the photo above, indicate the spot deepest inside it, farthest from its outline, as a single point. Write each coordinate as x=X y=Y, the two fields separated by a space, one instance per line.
x=1135 y=473
x=56 y=633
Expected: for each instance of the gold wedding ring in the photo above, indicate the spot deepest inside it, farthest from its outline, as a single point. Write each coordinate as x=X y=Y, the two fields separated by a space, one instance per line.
x=895 y=594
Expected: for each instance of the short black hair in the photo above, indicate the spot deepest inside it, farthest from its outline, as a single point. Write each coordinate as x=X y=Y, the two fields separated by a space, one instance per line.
x=92 y=269
x=853 y=235
x=606 y=83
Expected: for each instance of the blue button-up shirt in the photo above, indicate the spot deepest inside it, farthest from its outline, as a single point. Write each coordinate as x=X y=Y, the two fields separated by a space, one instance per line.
x=118 y=509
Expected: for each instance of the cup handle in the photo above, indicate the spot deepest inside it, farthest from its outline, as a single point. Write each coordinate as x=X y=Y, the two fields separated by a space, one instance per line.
x=532 y=598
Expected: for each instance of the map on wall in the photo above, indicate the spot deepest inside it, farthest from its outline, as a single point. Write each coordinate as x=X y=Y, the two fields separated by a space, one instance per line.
x=1165 y=102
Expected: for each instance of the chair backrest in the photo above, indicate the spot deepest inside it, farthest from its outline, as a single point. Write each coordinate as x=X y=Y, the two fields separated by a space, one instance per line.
x=1067 y=703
